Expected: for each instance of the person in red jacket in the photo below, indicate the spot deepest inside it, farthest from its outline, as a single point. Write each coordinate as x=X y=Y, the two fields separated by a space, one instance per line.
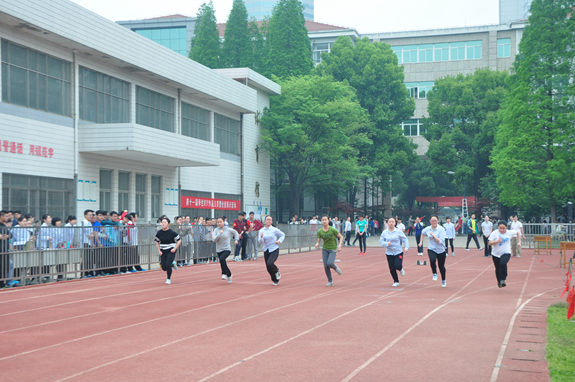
x=242 y=226
x=255 y=226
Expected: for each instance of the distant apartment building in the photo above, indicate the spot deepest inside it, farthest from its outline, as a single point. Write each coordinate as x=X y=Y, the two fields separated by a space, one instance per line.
x=259 y=9
x=513 y=10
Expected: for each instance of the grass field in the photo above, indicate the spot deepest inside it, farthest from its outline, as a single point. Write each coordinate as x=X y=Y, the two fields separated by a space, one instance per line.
x=560 y=344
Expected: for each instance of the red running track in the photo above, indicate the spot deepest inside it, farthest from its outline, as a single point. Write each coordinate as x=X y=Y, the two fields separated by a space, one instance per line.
x=200 y=328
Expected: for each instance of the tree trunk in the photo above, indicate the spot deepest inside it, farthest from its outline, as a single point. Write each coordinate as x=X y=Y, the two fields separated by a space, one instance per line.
x=553 y=214
x=295 y=197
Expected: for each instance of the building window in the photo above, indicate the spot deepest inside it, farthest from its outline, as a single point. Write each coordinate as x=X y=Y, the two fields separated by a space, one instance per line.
x=174 y=38
x=503 y=47
x=426 y=53
x=441 y=52
x=103 y=99
x=230 y=214
x=38 y=195
x=419 y=90
x=141 y=195
x=195 y=122
x=318 y=49
x=409 y=54
x=123 y=191
x=227 y=134
x=412 y=128
x=156 y=195
x=35 y=80
x=154 y=109
x=465 y=50
x=105 y=190
x=473 y=50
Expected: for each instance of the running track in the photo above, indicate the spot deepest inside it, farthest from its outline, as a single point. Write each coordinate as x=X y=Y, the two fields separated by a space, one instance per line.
x=200 y=328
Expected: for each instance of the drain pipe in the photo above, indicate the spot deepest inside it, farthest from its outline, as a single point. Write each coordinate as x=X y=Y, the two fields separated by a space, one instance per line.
x=75 y=107
x=242 y=161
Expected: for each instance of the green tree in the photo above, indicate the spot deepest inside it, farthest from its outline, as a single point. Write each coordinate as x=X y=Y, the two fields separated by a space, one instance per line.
x=206 y=40
x=290 y=51
x=534 y=156
x=311 y=131
x=463 y=118
x=259 y=38
x=237 y=50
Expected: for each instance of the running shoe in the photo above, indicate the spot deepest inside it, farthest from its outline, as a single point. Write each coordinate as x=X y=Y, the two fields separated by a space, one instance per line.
x=435 y=277
x=402 y=272
x=276 y=283
x=467 y=249
x=479 y=249
x=329 y=284
x=359 y=254
x=338 y=271
x=230 y=279
x=133 y=271
x=224 y=277
x=419 y=254
x=168 y=281
x=502 y=284
x=174 y=265
x=518 y=256
x=453 y=253
x=443 y=283
x=395 y=285
x=278 y=275
x=11 y=283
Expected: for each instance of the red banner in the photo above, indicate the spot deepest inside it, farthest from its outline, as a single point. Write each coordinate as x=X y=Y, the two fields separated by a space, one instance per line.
x=209 y=203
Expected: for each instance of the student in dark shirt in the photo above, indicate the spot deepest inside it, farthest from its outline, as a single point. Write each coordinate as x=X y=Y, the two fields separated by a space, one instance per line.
x=167 y=242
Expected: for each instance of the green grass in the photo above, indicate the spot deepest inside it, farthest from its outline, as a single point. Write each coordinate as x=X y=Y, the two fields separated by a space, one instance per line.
x=560 y=348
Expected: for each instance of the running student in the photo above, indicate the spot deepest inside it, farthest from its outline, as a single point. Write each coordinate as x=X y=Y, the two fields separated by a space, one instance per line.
x=270 y=237
x=449 y=235
x=222 y=237
x=436 y=249
x=167 y=242
x=329 y=248
x=361 y=231
x=500 y=241
x=391 y=239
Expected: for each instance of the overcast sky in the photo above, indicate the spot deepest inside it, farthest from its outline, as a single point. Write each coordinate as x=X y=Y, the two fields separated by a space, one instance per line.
x=366 y=16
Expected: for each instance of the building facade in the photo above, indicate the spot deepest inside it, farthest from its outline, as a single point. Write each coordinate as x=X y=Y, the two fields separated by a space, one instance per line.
x=259 y=9
x=97 y=117
x=513 y=10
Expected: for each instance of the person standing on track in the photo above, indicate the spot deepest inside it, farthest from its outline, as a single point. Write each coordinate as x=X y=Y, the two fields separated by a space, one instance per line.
x=330 y=247
x=436 y=249
x=472 y=232
x=361 y=232
x=270 y=237
x=167 y=242
x=486 y=229
x=347 y=230
x=418 y=227
x=222 y=236
x=449 y=235
x=500 y=240
x=391 y=239
x=516 y=225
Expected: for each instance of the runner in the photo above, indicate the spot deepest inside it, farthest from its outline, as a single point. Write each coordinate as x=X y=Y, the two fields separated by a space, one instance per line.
x=391 y=239
x=436 y=248
x=270 y=237
x=449 y=235
x=361 y=233
x=330 y=247
x=500 y=241
x=418 y=227
x=222 y=237
x=486 y=229
x=167 y=242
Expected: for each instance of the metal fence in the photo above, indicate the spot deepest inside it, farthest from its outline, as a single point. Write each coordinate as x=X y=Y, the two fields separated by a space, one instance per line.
x=557 y=231
x=33 y=255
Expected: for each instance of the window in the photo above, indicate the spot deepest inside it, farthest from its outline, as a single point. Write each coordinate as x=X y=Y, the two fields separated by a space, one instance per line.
x=195 y=122
x=141 y=195
x=38 y=195
x=227 y=134
x=409 y=54
x=156 y=194
x=419 y=90
x=412 y=128
x=426 y=53
x=318 y=49
x=154 y=109
x=441 y=52
x=470 y=50
x=35 y=80
x=103 y=99
x=230 y=214
x=106 y=190
x=457 y=51
x=398 y=52
x=503 y=47
x=123 y=191
x=174 y=38
x=473 y=50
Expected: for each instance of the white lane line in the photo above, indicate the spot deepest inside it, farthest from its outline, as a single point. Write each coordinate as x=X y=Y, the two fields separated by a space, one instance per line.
x=525 y=284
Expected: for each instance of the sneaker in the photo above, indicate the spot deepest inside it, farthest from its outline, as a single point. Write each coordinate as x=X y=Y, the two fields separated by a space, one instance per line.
x=168 y=281
x=518 y=256
x=278 y=275
x=174 y=265
x=276 y=283
x=443 y=283
x=329 y=284
x=479 y=249
x=255 y=258
x=224 y=277
x=338 y=271
x=395 y=285
x=453 y=253
x=359 y=254
x=467 y=249
x=502 y=284
x=11 y=283
x=230 y=279
x=435 y=277
x=402 y=272
x=419 y=254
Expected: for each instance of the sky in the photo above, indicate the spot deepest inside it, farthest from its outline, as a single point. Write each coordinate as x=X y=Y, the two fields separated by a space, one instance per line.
x=366 y=16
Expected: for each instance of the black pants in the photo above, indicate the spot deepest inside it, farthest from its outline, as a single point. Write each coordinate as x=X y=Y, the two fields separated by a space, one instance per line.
x=270 y=259
x=395 y=264
x=486 y=246
x=501 y=266
x=4 y=267
x=440 y=259
x=223 y=264
x=166 y=261
x=469 y=236
x=347 y=237
x=450 y=242
x=242 y=243
x=417 y=240
x=362 y=242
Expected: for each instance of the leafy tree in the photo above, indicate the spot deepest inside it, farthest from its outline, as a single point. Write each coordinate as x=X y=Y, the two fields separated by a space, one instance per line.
x=237 y=50
x=290 y=51
x=534 y=157
x=259 y=38
x=311 y=131
x=463 y=118
x=206 y=40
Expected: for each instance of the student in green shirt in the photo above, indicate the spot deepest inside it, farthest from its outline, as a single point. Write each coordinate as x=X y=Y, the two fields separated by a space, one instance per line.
x=330 y=247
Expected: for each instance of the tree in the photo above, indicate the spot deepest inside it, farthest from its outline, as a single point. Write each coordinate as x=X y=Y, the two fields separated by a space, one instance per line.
x=290 y=51
x=237 y=50
x=310 y=132
x=463 y=118
x=259 y=38
x=206 y=40
x=534 y=154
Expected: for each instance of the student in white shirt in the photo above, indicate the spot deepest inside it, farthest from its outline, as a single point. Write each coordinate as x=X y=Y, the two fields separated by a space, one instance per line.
x=500 y=240
x=270 y=238
x=347 y=230
x=436 y=248
x=486 y=228
x=449 y=235
x=516 y=225
x=400 y=225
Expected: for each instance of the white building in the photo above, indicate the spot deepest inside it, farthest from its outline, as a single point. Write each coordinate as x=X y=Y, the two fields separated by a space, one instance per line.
x=94 y=116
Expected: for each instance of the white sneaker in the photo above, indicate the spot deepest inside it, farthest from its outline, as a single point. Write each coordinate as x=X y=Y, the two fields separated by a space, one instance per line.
x=435 y=277
x=329 y=284
x=443 y=283
x=168 y=281
x=479 y=249
x=230 y=279
x=419 y=254
x=275 y=284
x=453 y=253
x=395 y=285
x=338 y=271
x=467 y=249
x=224 y=277
x=278 y=275
x=402 y=272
